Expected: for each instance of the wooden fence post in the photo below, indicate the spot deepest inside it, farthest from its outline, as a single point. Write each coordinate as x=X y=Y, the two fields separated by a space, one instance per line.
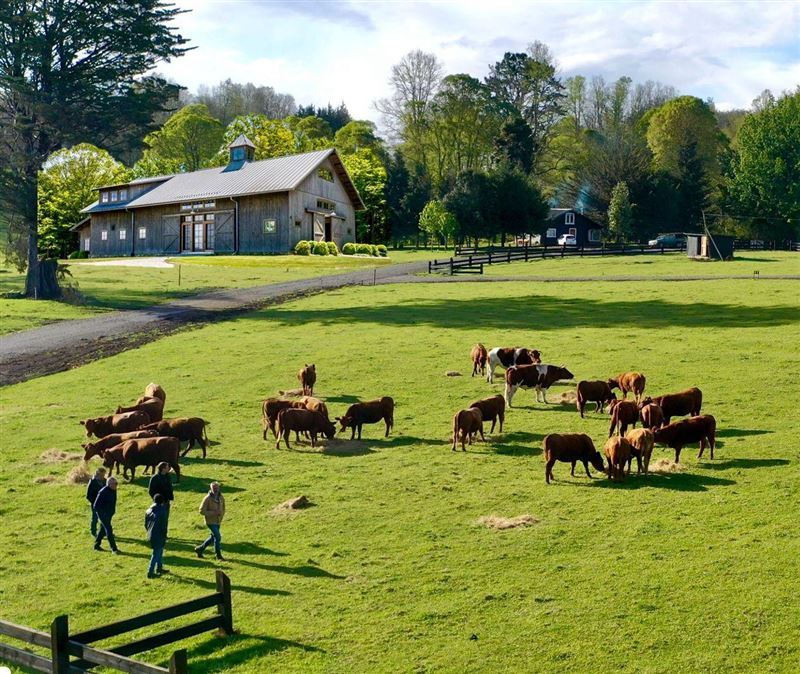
x=59 y=643
x=451 y=266
x=178 y=663
x=225 y=607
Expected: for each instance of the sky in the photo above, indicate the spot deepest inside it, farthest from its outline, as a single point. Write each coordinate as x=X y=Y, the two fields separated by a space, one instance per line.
x=323 y=51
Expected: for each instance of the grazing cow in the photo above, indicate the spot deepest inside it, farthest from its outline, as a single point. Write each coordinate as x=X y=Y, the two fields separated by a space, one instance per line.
x=308 y=377
x=144 y=452
x=689 y=431
x=492 y=409
x=155 y=391
x=302 y=420
x=539 y=377
x=628 y=381
x=109 y=441
x=505 y=357
x=466 y=424
x=115 y=423
x=153 y=407
x=370 y=412
x=271 y=408
x=191 y=429
x=641 y=442
x=314 y=405
x=479 y=356
x=618 y=453
x=680 y=404
x=570 y=448
x=597 y=392
x=651 y=415
x=623 y=412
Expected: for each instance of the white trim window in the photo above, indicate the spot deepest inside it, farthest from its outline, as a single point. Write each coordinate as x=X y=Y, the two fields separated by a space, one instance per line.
x=104 y=235
x=186 y=207
x=103 y=197
x=569 y=219
x=594 y=235
x=87 y=243
x=123 y=234
x=270 y=225
x=551 y=233
x=123 y=194
x=142 y=232
x=573 y=231
x=113 y=195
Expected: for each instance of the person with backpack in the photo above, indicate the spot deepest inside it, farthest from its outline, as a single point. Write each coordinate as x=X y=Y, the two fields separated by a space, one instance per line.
x=213 y=509
x=92 y=490
x=161 y=483
x=155 y=524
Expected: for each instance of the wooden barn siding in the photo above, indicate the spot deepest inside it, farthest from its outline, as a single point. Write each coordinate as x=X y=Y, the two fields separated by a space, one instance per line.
x=252 y=213
x=113 y=246
x=152 y=219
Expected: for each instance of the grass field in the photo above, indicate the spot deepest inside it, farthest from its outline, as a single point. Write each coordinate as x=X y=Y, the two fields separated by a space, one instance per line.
x=389 y=571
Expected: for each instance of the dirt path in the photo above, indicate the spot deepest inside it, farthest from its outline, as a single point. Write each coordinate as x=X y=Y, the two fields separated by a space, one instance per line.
x=151 y=262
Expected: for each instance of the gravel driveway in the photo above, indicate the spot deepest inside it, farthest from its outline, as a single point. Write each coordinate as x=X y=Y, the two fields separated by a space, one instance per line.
x=152 y=262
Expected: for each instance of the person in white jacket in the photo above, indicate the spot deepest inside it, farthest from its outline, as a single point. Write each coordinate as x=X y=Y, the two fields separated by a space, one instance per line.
x=213 y=509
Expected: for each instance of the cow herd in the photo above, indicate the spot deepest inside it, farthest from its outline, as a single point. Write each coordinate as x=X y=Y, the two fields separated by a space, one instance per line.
x=524 y=369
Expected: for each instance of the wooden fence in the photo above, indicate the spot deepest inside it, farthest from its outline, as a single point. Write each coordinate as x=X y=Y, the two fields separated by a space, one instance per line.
x=63 y=645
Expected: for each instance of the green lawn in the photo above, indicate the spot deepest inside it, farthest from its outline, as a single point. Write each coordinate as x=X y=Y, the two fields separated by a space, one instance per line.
x=693 y=571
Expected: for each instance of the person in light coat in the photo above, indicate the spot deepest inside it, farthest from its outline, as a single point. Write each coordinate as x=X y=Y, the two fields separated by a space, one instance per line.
x=213 y=509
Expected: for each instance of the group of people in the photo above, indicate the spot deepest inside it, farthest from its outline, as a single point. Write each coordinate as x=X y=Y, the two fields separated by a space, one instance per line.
x=102 y=496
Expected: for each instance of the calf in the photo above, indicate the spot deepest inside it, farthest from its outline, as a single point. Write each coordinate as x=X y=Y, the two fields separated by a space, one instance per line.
x=115 y=423
x=144 y=452
x=479 y=356
x=191 y=429
x=677 y=435
x=618 y=453
x=271 y=408
x=570 y=448
x=153 y=407
x=100 y=446
x=505 y=357
x=370 y=412
x=308 y=377
x=650 y=414
x=623 y=412
x=539 y=377
x=466 y=424
x=680 y=404
x=629 y=381
x=492 y=409
x=302 y=420
x=155 y=391
x=641 y=442
x=314 y=405
x=597 y=392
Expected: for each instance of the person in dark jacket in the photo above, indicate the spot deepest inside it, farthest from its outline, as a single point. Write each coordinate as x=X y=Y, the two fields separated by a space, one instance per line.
x=155 y=523
x=92 y=489
x=105 y=505
x=161 y=483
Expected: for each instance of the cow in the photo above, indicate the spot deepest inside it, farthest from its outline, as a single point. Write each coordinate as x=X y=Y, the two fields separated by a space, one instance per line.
x=492 y=409
x=623 y=412
x=466 y=424
x=143 y=452
x=270 y=409
x=689 y=431
x=370 y=412
x=570 y=448
x=618 y=452
x=115 y=423
x=97 y=448
x=641 y=442
x=597 y=392
x=302 y=420
x=155 y=391
x=505 y=357
x=680 y=404
x=153 y=407
x=190 y=429
x=539 y=377
x=479 y=356
x=651 y=415
x=628 y=381
x=308 y=377
x=314 y=405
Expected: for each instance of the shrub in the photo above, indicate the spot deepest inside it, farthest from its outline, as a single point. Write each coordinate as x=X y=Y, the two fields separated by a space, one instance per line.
x=349 y=249
x=79 y=255
x=382 y=250
x=320 y=248
x=332 y=249
x=363 y=249
x=302 y=248
x=373 y=250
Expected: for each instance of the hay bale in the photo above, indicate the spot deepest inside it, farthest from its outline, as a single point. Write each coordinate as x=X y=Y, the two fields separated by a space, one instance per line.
x=59 y=456
x=567 y=398
x=452 y=373
x=293 y=504
x=501 y=523
x=665 y=466
x=79 y=474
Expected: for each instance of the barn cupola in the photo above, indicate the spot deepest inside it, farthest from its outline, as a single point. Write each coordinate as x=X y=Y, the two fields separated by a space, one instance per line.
x=241 y=150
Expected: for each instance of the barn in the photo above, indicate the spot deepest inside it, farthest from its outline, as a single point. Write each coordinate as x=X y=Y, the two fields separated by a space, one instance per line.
x=246 y=206
x=569 y=221
x=707 y=247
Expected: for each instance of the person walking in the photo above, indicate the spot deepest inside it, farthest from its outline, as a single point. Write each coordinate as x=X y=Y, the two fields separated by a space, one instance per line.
x=105 y=505
x=155 y=524
x=97 y=482
x=213 y=509
x=161 y=483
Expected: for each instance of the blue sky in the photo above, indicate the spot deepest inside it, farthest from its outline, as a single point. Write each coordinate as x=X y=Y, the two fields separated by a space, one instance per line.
x=331 y=50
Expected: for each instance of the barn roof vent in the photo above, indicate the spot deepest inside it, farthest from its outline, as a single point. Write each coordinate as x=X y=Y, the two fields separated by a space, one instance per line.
x=241 y=150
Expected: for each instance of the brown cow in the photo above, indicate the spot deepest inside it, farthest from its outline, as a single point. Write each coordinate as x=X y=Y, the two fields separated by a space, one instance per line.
x=115 y=423
x=623 y=412
x=570 y=448
x=618 y=453
x=641 y=441
x=314 y=405
x=153 y=407
x=492 y=409
x=155 y=391
x=308 y=377
x=539 y=377
x=597 y=392
x=680 y=404
x=271 y=408
x=479 y=356
x=370 y=412
x=144 y=452
x=677 y=435
x=97 y=448
x=651 y=415
x=191 y=429
x=302 y=420
x=505 y=357
x=628 y=381
x=466 y=424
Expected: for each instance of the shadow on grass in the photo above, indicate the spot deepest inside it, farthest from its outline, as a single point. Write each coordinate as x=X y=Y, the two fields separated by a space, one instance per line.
x=745 y=463
x=201 y=485
x=740 y=432
x=219 y=654
x=673 y=481
x=249 y=589
x=518 y=443
x=198 y=458
x=344 y=399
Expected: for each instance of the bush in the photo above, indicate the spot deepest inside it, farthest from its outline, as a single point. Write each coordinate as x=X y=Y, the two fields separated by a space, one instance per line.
x=373 y=250
x=382 y=250
x=332 y=249
x=320 y=248
x=363 y=249
x=349 y=249
x=302 y=248
x=79 y=255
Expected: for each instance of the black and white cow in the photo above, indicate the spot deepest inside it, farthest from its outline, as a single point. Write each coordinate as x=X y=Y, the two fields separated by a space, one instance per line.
x=539 y=377
x=505 y=357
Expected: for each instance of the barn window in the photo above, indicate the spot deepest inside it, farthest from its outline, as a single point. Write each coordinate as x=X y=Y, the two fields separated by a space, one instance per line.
x=123 y=194
x=551 y=233
x=573 y=231
x=142 y=232
x=269 y=226
x=104 y=197
x=123 y=234
x=569 y=219
x=209 y=216
x=197 y=206
x=186 y=207
x=113 y=195
x=87 y=243
x=349 y=231
x=325 y=174
x=298 y=223
x=104 y=235
x=594 y=235
x=208 y=204
x=326 y=205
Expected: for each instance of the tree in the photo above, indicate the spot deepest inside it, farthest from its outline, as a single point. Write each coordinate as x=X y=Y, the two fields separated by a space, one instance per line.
x=357 y=135
x=369 y=176
x=545 y=104
x=471 y=201
x=310 y=133
x=436 y=221
x=187 y=142
x=228 y=100
x=336 y=117
x=517 y=204
x=692 y=187
x=407 y=192
x=509 y=80
x=513 y=146
x=620 y=212
x=67 y=183
x=576 y=100
x=73 y=71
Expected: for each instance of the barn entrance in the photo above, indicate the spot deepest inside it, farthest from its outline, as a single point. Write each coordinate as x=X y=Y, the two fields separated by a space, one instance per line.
x=328 y=229
x=197 y=232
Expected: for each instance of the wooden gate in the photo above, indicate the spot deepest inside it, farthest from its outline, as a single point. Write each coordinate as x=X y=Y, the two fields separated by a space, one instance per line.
x=223 y=232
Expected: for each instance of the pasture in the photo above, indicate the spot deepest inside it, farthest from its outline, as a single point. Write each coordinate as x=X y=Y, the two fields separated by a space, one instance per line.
x=390 y=569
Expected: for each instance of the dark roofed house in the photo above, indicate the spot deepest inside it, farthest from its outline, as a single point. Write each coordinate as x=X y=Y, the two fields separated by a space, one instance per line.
x=245 y=207
x=560 y=221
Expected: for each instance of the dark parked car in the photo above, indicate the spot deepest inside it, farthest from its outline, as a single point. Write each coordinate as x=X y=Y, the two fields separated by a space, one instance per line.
x=673 y=240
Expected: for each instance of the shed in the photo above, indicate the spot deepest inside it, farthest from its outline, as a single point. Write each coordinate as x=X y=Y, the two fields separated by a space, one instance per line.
x=709 y=247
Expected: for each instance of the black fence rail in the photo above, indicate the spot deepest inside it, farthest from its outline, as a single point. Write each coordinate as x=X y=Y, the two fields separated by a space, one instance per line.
x=63 y=645
x=759 y=244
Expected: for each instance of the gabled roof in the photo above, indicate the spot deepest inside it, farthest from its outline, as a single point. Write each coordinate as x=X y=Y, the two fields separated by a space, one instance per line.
x=80 y=224
x=240 y=140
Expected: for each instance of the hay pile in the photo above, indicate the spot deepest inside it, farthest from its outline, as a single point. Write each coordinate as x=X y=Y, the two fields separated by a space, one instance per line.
x=59 y=456
x=292 y=505
x=501 y=523
x=665 y=466
x=452 y=373
x=567 y=398
x=292 y=393
x=79 y=474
